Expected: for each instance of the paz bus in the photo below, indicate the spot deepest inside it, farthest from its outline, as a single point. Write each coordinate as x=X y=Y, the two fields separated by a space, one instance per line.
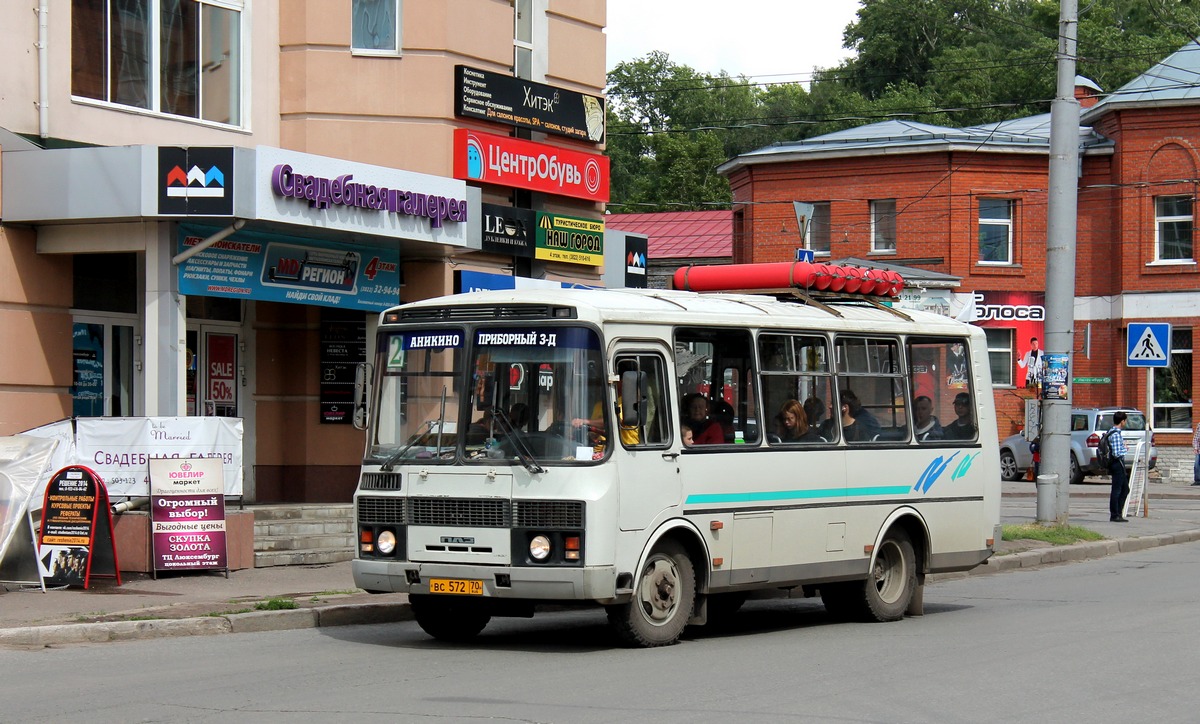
x=527 y=447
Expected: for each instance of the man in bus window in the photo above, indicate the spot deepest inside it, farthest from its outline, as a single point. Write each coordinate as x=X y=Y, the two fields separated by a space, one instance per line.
x=962 y=428
x=927 y=426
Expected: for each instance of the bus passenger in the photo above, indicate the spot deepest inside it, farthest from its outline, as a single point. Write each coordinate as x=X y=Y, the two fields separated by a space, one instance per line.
x=868 y=427
x=695 y=415
x=793 y=424
x=964 y=427
x=927 y=426
x=852 y=431
x=685 y=436
x=814 y=409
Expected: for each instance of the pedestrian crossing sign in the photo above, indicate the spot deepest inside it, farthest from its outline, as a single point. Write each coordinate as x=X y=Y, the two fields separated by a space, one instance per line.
x=1148 y=344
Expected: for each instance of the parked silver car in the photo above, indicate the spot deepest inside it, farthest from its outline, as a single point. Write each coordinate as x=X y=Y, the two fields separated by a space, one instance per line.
x=1087 y=426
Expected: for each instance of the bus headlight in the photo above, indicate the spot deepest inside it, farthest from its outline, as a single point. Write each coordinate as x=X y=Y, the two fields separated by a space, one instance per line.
x=539 y=548
x=386 y=545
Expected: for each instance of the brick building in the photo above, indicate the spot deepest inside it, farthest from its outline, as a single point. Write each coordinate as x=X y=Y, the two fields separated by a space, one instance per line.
x=972 y=203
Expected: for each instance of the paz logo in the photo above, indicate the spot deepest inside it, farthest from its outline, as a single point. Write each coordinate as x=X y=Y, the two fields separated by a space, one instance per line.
x=195 y=183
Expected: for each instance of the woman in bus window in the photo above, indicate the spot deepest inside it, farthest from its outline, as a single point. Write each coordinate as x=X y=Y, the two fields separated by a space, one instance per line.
x=695 y=415
x=793 y=424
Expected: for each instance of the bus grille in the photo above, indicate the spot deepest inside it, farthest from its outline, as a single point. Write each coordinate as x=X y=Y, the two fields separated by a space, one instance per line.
x=548 y=513
x=485 y=513
x=387 y=511
x=380 y=481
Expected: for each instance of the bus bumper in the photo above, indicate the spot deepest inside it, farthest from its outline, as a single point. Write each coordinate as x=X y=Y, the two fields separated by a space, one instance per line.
x=593 y=583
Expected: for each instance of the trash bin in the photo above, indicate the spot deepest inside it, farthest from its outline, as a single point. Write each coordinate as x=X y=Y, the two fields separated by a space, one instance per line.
x=1047 y=497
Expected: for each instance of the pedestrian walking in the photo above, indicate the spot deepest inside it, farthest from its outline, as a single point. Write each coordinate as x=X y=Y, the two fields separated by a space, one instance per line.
x=1196 y=450
x=1116 y=467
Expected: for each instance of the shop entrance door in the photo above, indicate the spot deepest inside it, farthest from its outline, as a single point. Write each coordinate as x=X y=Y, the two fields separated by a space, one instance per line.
x=104 y=366
x=214 y=371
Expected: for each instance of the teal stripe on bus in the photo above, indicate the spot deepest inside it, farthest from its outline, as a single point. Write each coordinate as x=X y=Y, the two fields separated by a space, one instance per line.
x=797 y=494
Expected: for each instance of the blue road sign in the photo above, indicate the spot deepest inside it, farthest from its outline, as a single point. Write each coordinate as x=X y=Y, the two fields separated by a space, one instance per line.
x=1148 y=344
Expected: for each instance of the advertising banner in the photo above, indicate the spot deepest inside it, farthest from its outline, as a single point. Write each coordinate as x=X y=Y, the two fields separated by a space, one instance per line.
x=187 y=514
x=527 y=104
x=523 y=164
x=76 y=531
x=570 y=239
x=119 y=449
x=1025 y=314
x=195 y=181
x=257 y=266
x=636 y=249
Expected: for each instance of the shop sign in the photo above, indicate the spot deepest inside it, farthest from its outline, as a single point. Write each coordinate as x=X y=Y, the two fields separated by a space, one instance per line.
x=507 y=230
x=528 y=165
x=636 y=248
x=334 y=194
x=527 y=104
x=570 y=239
x=473 y=281
x=195 y=181
x=343 y=347
x=248 y=265
x=187 y=514
x=1025 y=314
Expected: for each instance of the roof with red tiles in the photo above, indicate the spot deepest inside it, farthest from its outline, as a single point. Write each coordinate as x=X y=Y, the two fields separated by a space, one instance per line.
x=680 y=234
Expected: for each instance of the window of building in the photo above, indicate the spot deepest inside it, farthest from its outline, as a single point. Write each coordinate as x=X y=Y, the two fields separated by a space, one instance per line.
x=375 y=29
x=1172 y=386
x=995 y=231
x=523 y=39
x=883 y=225
x=1000 y=355
x=1173 y=228
x=817 y=237
x=178 y=57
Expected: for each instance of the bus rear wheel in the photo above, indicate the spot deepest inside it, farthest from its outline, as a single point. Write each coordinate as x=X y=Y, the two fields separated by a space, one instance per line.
x=448 y=620
x=886 y=593
x=663 y=596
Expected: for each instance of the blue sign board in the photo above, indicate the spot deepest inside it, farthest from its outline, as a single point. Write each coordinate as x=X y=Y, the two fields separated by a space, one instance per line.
x=1148 y=344
x=807 y=255
x=266 y=267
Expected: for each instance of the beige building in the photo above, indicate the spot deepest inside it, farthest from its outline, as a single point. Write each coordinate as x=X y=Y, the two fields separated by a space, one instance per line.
x=205 y=204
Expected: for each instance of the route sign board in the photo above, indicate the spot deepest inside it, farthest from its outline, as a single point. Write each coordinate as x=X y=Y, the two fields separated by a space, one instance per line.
x=1148 y=344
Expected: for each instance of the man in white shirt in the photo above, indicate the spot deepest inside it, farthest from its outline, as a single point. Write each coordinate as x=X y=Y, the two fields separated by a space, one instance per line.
x=1032 y=363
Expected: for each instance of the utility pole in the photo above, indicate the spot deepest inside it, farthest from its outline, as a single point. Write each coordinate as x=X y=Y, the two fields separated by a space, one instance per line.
x=1060 y=263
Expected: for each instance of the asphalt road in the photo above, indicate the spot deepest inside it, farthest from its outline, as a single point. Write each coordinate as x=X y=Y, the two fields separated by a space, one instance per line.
x=1107 y=640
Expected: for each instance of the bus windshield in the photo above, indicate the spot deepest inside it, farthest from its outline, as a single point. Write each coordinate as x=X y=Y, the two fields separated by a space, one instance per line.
x=533 y=395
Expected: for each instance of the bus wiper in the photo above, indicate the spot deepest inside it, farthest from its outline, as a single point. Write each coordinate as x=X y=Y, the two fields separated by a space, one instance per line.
x=395 y=457
x=425 y=428
x=523 y=453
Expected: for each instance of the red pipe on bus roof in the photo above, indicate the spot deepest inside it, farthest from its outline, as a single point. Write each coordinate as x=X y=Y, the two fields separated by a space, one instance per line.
x=789 y=274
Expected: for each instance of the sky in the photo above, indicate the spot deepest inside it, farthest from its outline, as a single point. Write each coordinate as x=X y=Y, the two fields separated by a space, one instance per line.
x=784 y=39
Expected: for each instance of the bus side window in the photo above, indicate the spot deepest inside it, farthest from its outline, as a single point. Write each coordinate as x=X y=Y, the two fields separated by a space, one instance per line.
x=939 y=379
x=718 y=365
x=872 y=392
x=654 y=430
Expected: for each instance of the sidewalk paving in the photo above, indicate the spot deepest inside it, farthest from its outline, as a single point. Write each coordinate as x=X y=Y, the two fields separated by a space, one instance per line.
x=194 y=603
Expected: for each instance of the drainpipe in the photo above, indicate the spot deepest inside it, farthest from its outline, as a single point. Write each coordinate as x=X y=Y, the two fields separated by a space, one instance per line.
x=189 y=253
x=43 y=46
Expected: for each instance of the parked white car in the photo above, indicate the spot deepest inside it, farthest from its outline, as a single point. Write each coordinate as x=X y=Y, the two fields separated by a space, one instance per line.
x=1087 y=427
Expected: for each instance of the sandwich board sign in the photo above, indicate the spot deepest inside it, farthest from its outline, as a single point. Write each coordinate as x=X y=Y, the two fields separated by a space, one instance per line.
x=76 y=538
x=187 y=514
x=1148 y=344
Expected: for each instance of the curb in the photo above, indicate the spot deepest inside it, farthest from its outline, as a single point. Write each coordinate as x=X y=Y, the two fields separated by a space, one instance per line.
x=375 y=613
x=251 y=622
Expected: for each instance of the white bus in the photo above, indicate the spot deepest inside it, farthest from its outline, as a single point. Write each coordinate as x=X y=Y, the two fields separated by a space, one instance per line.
x=525 y=447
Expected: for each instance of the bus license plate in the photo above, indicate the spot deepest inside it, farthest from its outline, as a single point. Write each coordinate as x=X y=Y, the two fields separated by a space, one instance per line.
x=456 y=586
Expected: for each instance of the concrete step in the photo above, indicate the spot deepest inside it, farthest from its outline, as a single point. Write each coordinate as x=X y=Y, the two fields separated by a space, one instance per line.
x=294 y=528
x=266 y=559
x=305 y=542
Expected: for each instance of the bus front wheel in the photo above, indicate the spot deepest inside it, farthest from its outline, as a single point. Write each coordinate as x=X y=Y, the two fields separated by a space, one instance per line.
x=663 y=596
x=448 y=620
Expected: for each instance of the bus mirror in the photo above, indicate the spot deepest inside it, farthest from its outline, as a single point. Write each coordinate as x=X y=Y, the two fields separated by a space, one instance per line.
x=361 y=416
x=633 y=387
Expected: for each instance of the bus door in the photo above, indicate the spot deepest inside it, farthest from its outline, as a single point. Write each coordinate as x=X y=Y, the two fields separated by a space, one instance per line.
x=646 y=454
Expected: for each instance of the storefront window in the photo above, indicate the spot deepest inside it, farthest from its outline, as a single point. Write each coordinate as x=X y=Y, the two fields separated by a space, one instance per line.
x=1173 y=386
